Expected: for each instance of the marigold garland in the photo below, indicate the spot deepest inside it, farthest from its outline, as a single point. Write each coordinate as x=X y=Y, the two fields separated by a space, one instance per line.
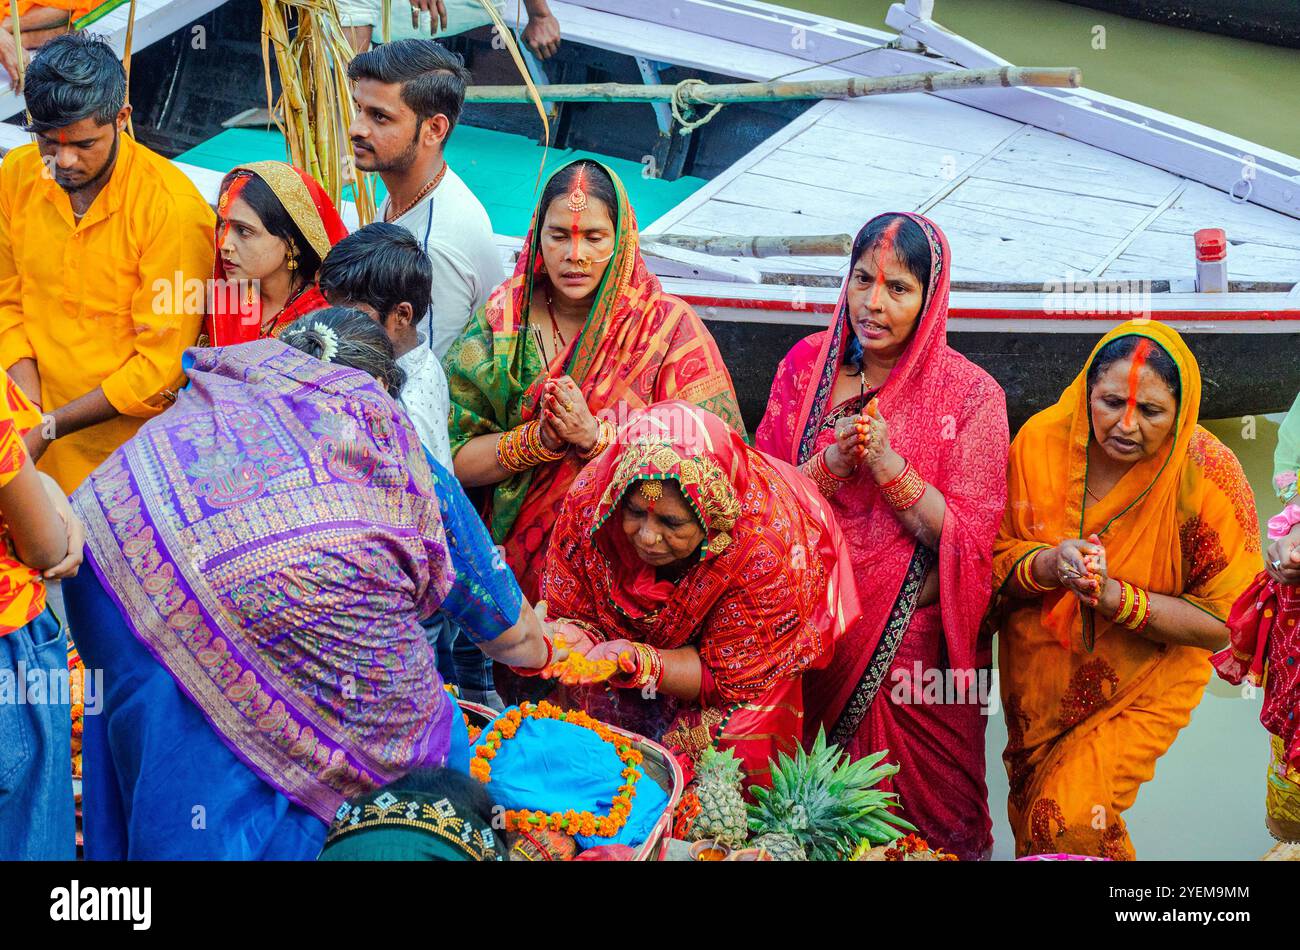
x=570 y=822
x=914 y=844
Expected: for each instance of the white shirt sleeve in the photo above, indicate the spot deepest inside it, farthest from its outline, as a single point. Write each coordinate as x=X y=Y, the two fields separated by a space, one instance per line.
x=360 y=12
x=454 y=298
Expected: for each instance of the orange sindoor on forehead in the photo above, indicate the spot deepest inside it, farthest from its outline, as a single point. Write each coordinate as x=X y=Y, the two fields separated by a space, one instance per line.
x=228 y=197
x=1140 y=354
x=577 y=205
x=884 y=250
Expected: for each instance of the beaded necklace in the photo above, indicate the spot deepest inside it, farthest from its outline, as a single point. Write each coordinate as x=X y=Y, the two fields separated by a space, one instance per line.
x=429 y=186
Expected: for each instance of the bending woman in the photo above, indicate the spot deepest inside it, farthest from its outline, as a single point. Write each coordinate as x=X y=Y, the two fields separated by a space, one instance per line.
x=275 y=224
x=718 y=573
x=263 y=553
x=562 y=351
x=918 y=484
x=1129 y=533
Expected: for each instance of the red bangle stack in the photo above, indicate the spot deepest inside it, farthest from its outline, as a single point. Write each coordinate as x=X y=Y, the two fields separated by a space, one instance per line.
x=904 y=490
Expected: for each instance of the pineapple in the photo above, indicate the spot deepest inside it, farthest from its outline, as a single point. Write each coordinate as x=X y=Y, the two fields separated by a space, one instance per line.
x=825 y=803
x=722 y=809
x=780 y=847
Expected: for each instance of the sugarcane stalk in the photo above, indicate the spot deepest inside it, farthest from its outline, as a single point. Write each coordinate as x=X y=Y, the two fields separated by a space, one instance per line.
x=315 y=108
x=853 y=88
x=732 y=245
x=126 y=60
x=18 y=42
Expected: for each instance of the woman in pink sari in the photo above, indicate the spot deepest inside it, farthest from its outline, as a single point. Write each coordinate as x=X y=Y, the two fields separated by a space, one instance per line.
x=908 y=439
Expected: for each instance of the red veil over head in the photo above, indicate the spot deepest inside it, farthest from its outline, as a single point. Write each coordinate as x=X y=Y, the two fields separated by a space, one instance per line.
x=770 y=592
x=234 y=313
x=948 y=418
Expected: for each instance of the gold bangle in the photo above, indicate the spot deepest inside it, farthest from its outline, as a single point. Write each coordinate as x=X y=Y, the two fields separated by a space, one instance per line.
x=827 y=482
x=651 y=671
x=1135 y=607
x=1026 y=578
x=905 y=489
x=605 y=436
x=522 y=448
x=1127 y=600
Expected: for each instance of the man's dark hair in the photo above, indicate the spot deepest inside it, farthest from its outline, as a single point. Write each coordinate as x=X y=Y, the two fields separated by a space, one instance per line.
x=433 y=78
x=381 y=266
x=73 y=77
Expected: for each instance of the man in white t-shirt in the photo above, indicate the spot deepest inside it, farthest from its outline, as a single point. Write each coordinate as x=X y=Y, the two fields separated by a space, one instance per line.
x=381 y=271
x=412 y=19
x=409 y=96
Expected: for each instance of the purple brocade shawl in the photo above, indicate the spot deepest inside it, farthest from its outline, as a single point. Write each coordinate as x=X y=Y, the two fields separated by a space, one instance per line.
x=274 y=539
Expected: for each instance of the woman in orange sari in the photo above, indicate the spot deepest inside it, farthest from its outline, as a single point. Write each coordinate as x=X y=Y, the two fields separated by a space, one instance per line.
x=578 y=337
x=275 y=224
x=712 y=573
x=1129 y=532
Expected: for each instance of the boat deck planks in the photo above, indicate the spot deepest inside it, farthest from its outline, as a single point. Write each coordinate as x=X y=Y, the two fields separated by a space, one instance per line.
x=1019 y=203
x=661 y=42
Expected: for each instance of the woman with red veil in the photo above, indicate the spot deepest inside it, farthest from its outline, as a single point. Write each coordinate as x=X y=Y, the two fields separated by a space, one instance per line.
x=275 y=224
x=907 y=439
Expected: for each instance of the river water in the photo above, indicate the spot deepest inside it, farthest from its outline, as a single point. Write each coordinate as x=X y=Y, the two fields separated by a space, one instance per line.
x=1207 y=797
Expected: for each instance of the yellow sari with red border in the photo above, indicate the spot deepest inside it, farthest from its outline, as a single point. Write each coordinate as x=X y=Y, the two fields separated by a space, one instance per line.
x=1090 y=705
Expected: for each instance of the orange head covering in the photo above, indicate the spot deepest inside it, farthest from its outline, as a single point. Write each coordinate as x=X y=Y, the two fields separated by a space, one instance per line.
x=1139 y=520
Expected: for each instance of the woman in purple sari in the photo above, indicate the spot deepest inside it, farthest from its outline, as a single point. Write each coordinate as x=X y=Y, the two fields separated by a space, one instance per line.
x=263 y=554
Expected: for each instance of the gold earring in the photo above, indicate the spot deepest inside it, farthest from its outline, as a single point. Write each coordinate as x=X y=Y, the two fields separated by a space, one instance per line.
x=291 y=264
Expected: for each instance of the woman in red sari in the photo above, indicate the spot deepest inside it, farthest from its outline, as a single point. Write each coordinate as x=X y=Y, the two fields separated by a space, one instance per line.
x=908 y=440
x=714 y=574
x=275 y=224
x=581 y=335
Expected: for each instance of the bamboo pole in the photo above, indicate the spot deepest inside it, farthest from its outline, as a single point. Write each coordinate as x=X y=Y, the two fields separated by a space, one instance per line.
x=704 y=94
x=733 y=245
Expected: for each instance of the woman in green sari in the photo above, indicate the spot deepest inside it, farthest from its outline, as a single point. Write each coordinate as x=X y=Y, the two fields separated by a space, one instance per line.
x=581 y=335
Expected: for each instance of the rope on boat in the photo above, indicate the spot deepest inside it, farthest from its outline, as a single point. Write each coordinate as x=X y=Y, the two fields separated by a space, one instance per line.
x=682 y=107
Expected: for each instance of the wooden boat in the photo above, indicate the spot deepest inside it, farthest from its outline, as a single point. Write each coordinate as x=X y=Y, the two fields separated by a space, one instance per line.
x=1265 y=21
x=1068 y=210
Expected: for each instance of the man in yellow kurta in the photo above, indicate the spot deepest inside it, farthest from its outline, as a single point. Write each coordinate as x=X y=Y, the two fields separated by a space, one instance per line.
x=101 y=242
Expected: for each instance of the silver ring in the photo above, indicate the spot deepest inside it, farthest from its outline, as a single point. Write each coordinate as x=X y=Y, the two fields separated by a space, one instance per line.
x=1277 y=564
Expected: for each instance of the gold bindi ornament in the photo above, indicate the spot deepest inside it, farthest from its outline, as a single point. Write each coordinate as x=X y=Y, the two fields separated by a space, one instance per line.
x=578 y=197
x=651 y=491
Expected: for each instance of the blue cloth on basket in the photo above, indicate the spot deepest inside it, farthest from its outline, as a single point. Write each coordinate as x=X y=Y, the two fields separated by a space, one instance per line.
x=556 y=766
